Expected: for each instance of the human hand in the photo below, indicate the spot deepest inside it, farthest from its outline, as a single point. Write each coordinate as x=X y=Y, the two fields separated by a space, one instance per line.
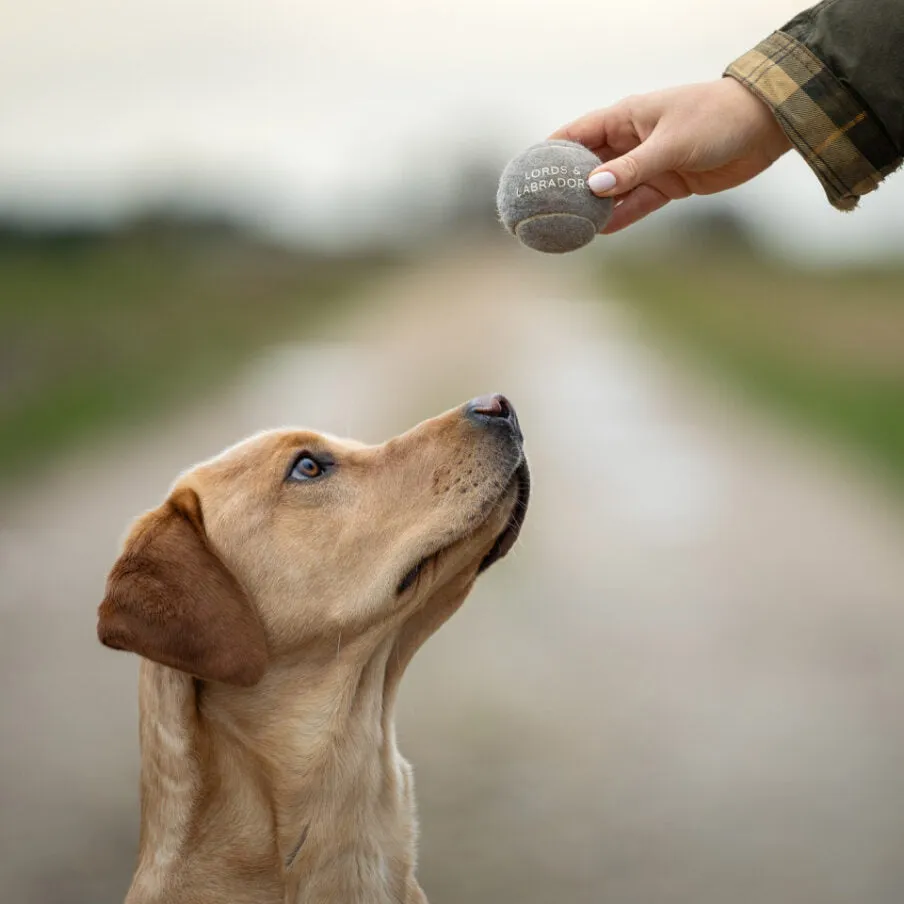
x=693 y=140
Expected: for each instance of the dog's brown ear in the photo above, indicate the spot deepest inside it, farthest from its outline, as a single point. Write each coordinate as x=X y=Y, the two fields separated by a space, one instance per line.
x=171 y=599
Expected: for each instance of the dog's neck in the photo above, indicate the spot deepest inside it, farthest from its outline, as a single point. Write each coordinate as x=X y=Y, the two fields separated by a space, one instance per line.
x=292 y=791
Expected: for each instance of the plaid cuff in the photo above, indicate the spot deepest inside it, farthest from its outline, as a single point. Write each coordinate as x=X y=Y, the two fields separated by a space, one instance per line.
x=838 y=137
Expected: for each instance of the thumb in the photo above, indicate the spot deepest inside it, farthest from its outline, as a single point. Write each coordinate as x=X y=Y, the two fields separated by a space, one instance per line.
x=639 y=165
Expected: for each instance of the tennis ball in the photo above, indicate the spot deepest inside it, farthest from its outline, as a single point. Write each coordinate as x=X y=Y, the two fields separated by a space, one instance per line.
x=543 y=198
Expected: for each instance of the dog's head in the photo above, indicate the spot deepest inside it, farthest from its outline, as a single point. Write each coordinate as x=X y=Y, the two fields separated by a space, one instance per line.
x=293 y=537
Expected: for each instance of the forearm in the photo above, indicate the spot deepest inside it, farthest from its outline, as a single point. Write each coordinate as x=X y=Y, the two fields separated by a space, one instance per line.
x=834 y=78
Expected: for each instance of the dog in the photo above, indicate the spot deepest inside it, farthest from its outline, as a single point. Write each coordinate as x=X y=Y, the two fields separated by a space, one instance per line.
x=276 y=598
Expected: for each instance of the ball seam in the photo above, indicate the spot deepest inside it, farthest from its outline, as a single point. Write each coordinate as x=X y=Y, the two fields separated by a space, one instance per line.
x=543 y=216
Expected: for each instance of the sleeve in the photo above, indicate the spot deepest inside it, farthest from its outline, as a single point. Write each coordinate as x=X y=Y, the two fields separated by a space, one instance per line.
x=834 y=78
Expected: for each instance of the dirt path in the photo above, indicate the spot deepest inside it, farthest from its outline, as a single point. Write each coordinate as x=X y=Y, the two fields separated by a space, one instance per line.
x=684 y=685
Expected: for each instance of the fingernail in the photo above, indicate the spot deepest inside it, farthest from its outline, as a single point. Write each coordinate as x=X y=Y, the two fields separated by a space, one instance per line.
x=600 y=182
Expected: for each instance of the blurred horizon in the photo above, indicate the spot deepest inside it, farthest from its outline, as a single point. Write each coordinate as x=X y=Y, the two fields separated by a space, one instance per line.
x=314 y=125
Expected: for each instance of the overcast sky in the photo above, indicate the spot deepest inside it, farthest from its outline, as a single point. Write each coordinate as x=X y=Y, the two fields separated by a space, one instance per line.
x=310 y=113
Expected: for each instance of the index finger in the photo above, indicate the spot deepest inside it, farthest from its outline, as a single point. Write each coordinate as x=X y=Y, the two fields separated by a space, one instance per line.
x=590 y=130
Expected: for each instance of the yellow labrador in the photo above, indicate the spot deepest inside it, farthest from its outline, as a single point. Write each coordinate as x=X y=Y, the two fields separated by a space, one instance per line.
x=277 y=596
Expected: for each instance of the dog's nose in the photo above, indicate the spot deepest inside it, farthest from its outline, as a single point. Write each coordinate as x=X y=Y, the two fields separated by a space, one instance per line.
x=495 y=405
x=492 y=409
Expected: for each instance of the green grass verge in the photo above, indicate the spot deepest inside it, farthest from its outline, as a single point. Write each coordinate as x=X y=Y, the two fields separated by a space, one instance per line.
x=96 y=330
x=823 y=347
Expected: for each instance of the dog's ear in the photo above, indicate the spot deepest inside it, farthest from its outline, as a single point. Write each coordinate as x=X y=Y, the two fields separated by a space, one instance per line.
x=169 y=598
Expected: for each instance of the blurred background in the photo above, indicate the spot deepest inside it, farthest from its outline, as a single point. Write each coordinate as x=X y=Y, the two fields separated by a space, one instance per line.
x=684 y=685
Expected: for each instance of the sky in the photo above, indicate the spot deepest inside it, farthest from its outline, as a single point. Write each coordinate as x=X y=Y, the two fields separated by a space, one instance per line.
x=311 y=116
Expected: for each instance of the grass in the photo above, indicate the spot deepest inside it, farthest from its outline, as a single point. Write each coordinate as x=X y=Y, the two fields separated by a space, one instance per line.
x=98 y=329
x=824 y=347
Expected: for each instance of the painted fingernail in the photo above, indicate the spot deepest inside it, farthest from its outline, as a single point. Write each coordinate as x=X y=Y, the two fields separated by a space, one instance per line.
x=600 y=182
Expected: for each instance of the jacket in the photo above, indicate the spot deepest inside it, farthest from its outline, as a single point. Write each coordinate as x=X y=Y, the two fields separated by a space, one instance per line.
x=834 y=78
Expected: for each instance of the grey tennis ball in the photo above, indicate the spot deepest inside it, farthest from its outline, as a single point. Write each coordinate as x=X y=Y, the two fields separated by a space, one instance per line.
x=544 y=201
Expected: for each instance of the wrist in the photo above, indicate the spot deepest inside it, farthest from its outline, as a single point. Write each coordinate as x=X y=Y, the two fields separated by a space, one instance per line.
x=759 y=118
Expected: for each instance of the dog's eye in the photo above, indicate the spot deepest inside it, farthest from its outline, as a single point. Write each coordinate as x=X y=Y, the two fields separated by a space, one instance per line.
x=306 y=468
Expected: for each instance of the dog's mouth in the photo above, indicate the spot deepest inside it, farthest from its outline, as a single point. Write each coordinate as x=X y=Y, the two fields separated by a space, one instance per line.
x=504 y=542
